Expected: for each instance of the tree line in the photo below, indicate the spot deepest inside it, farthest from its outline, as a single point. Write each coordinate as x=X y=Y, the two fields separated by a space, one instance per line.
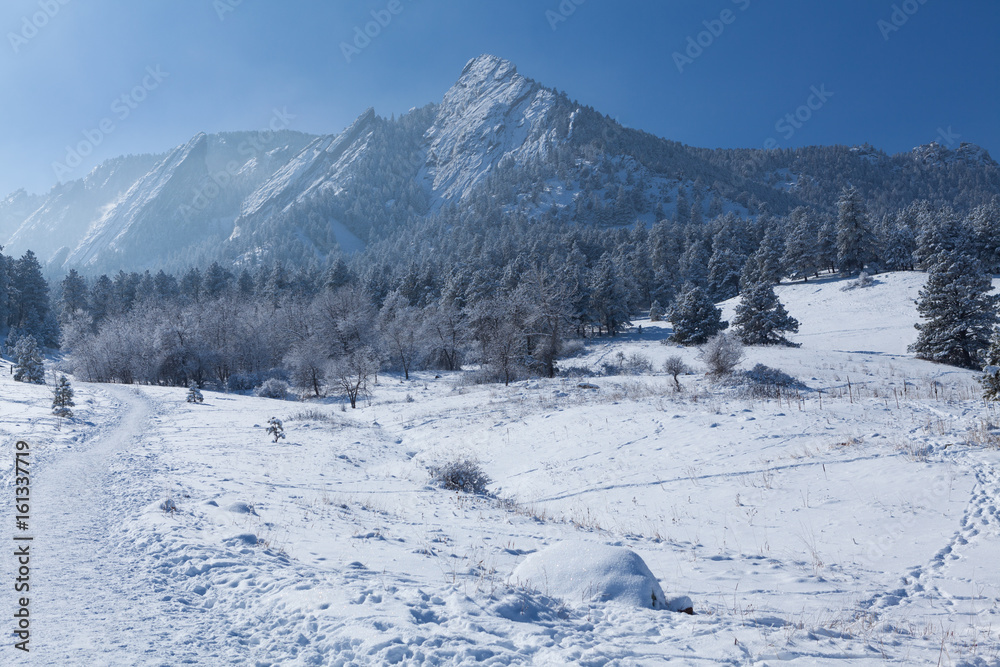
x=506 y=294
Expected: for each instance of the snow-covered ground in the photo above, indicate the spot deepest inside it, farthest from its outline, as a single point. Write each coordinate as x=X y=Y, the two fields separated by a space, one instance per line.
x=853 y=521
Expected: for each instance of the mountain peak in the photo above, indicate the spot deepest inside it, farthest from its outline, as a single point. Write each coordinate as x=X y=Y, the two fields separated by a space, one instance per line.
x=487 y=71
x=938 y=154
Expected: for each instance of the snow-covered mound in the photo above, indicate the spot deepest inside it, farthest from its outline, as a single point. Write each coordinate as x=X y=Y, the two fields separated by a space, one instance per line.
x=583 y=571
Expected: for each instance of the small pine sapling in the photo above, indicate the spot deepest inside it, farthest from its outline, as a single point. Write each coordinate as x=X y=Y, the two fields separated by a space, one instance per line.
x=194 y=394
x=62 y=400
x=275 y=429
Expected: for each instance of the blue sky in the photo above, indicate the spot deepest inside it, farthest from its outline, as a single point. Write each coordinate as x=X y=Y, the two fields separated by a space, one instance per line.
x=186 y=66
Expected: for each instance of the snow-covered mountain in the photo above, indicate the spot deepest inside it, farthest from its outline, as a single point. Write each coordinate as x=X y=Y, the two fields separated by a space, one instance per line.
x=498 y=143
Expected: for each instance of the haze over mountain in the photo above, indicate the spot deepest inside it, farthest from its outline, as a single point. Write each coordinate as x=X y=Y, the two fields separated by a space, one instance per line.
x=497 y=144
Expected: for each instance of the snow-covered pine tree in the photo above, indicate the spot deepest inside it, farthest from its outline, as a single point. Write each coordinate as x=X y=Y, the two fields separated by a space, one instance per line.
x=74 y=295
x=991 y=374
x=28 y=365
x=854 y=239
x=609 y=296
x=724 y=274
x=897 y=243
x=62 y=399
x=655 y=311
x=275 y=429
x=694 y=317
x=768 y=256
x=194 y=394
x=984 y=222
x=800 y=257
x=31 y=310
x=941 y=232
x=682 y=211
x=959 y=310
x=693 y=262
x=826 y=245
x=761 y=319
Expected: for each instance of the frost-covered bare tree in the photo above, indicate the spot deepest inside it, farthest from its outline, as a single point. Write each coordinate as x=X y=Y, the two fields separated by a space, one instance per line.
x=399 y=326
x=354 y=371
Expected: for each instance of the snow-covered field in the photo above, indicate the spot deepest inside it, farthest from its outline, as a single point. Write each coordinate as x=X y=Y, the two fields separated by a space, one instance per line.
x=853 y=521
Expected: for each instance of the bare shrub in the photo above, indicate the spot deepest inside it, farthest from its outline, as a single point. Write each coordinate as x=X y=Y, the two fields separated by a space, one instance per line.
x=764 y=382
x=312 y=415
x=633 y=364
x=461 y=475
x=273 y=388
x=722 y=354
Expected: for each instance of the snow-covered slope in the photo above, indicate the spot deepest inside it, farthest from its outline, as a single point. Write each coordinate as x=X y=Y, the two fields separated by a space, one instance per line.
x=853 y=520
x=61 y=218
x=319 y=165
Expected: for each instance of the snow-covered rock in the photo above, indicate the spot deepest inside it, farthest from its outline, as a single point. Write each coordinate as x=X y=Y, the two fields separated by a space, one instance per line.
x=582 y=571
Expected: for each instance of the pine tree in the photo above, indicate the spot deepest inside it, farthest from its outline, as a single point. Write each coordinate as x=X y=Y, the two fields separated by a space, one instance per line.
x=102 y=299
x=28 y=365
x=655 y=311
x=191 y=285
x=694 y=263
x=62 y=400
x=761 y=319
x=768 y=256
x=800 y=257
x=31 y=310
x=694 y=317
x=217 y=280
x=826 y=246
x=194 y=394
x=724 y=274
x=984 y=221
x=682 y=212
x=991 y=374
x=898 y=244
x=854 y=239
x=74 y=295
x=959 y=310
x=941 y=232
x=609 y=298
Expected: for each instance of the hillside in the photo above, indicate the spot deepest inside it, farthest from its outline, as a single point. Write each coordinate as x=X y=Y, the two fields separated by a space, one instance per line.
x=852 y=519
